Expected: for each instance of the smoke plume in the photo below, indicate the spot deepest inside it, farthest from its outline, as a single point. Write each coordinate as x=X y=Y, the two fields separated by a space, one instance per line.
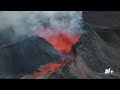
x=47 y=22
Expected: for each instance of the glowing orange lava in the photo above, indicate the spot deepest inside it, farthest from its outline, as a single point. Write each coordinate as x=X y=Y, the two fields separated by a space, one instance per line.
x=63 y=42
x=49 y=69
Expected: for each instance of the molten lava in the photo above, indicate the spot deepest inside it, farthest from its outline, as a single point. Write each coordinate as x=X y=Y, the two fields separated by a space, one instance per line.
x=63 y=43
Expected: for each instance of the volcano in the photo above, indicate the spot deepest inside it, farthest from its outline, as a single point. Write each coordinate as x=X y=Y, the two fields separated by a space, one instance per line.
x=60 y=47
x=96 y=50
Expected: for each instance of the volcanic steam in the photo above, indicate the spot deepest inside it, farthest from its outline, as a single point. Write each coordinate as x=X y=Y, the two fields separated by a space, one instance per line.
x=62 y=29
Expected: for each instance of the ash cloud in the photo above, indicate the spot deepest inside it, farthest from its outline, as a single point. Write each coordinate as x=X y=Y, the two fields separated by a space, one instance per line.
x=23 y=22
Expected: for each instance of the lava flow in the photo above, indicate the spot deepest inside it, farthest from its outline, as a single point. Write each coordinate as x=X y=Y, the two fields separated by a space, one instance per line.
x=63 y=43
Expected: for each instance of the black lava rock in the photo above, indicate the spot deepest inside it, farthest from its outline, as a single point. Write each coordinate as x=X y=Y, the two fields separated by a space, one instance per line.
x=26 y=56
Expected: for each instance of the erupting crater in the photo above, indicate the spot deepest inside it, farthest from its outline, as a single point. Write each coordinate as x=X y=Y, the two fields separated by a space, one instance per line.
x=63 y=43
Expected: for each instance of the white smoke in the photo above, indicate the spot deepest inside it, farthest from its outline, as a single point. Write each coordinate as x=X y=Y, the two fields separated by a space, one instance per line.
x=24 y=22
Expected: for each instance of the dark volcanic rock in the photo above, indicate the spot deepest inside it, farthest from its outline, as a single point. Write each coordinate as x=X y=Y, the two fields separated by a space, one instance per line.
x=26 y=56
x=94 y=55
x=97 y=54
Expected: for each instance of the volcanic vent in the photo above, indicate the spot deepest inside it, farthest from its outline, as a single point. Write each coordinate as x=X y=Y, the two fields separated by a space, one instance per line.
x=62 y=36
x=97 y=50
